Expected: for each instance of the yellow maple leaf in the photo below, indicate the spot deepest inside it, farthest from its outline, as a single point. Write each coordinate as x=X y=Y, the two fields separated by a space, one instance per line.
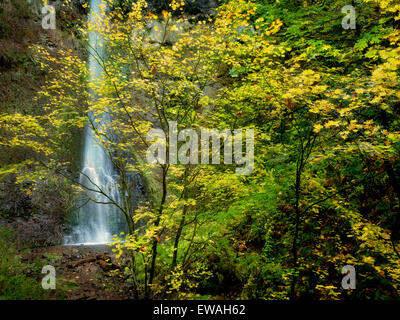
x=165 y=14
x=317 y=127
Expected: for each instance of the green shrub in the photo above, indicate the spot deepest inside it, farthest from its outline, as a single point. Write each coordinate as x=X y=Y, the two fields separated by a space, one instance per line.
x=14 y=282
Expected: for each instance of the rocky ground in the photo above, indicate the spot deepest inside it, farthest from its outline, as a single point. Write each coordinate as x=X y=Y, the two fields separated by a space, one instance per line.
x=83 y=272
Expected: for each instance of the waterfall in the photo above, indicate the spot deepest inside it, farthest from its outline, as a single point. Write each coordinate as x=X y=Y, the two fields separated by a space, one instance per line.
x=96 y=222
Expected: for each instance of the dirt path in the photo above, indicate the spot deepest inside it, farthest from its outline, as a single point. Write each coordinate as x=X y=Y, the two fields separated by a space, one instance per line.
x=83 y=272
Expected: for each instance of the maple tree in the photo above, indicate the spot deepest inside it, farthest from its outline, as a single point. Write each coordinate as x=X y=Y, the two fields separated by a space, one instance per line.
x=325 y=191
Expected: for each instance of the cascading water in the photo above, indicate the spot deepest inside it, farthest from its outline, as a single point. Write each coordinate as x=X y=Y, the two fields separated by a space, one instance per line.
x=96 y=222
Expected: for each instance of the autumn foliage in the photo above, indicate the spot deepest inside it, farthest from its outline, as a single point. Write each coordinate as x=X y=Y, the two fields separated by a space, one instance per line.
x=324 y=103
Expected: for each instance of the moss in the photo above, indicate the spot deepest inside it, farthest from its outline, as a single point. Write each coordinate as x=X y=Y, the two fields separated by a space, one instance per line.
x=14 y=281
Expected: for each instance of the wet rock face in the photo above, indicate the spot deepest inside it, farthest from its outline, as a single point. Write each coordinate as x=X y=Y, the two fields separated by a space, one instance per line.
x=37 y=218
x=199 y=8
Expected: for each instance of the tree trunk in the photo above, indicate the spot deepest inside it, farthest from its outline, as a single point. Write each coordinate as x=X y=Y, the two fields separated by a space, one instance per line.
x=156 y=224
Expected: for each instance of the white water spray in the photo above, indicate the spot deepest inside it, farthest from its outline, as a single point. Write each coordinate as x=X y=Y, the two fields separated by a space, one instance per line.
x=96 y=221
